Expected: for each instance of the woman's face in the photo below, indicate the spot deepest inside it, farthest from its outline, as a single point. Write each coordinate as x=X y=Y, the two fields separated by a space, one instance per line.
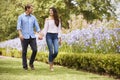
x=51 y=12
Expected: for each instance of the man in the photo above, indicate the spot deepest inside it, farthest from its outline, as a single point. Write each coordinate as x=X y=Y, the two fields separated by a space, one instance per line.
x=25 y=26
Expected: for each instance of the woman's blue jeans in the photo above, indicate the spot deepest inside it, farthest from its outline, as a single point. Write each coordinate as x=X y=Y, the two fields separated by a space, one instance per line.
x=52 y=43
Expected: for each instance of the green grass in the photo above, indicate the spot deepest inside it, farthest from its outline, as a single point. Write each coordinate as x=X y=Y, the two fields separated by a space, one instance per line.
x=11 y=69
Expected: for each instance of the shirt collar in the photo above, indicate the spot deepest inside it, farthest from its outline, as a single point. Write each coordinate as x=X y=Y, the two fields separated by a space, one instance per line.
x=26 y=14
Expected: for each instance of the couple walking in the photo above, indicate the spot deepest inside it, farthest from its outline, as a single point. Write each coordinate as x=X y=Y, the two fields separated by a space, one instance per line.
x=52 y=31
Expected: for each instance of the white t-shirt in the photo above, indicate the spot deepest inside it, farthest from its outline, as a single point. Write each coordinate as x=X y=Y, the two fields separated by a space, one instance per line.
x=50 y=27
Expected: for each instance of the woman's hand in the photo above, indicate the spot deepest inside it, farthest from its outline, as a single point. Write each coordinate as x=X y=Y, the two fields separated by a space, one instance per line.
x=60 y=40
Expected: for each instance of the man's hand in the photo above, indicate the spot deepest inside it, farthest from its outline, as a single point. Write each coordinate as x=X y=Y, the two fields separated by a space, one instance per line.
x=21 y=37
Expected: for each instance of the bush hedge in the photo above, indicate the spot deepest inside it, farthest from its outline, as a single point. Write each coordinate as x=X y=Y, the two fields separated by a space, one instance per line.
x=98 y=63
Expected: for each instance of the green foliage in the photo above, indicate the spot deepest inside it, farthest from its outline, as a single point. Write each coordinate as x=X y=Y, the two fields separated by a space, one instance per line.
x=90 y=9
x=95 y=9
x=8 y=18
x=66 y=48
x=103 y=46
x=10 y=52
x=98 y=63
x=11 y=69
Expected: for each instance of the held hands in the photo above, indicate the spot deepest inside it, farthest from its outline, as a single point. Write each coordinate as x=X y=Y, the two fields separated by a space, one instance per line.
x=40 y=36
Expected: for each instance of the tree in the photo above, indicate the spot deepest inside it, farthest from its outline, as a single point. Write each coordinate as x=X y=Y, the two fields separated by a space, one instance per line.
x=90 y=9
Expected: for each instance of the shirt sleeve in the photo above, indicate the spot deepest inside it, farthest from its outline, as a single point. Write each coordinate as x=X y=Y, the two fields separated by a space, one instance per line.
x=37 y=25
x=19 y=23
x=44 y=31
x=59 y=30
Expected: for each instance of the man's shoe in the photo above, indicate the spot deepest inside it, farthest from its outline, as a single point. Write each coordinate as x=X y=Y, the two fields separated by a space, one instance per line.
x=25 y=68
x=32 y=66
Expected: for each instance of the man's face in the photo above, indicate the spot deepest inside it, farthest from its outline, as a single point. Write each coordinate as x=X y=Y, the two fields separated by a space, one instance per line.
x=30 y=10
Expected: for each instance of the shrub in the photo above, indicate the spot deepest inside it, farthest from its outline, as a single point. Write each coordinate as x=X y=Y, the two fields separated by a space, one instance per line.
x=99 y=63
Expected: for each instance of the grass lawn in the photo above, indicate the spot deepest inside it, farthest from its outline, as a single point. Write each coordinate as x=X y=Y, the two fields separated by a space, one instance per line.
x=11 y=69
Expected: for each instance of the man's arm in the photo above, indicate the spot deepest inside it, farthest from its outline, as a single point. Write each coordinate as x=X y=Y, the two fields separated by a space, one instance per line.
x=19 y=28
x=40 y=35
x=20 y=34
x=37 y=26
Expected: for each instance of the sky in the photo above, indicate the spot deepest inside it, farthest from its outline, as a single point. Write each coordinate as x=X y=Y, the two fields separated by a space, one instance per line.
x=118 y=10
x=117 y=5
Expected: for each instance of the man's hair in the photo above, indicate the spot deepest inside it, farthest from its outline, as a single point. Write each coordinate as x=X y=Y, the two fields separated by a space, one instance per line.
x=28 y=6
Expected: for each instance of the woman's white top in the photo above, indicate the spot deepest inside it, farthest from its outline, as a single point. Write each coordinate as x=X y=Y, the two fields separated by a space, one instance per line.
x=50 y=27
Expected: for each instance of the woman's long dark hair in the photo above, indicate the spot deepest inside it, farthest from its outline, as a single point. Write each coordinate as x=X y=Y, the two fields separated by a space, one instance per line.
x=55 y=15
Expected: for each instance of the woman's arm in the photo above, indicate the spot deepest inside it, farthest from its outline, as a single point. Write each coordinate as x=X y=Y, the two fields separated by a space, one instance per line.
x=59 y=33
x=44 y=31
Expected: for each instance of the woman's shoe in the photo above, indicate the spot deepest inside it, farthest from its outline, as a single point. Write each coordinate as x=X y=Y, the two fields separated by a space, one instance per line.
x=51 y=69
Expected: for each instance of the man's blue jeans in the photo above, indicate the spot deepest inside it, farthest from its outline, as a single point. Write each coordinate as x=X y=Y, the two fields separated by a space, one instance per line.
x=52 y=43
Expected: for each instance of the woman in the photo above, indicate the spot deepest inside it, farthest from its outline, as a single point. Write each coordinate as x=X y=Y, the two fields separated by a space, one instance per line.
x=52 y=30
